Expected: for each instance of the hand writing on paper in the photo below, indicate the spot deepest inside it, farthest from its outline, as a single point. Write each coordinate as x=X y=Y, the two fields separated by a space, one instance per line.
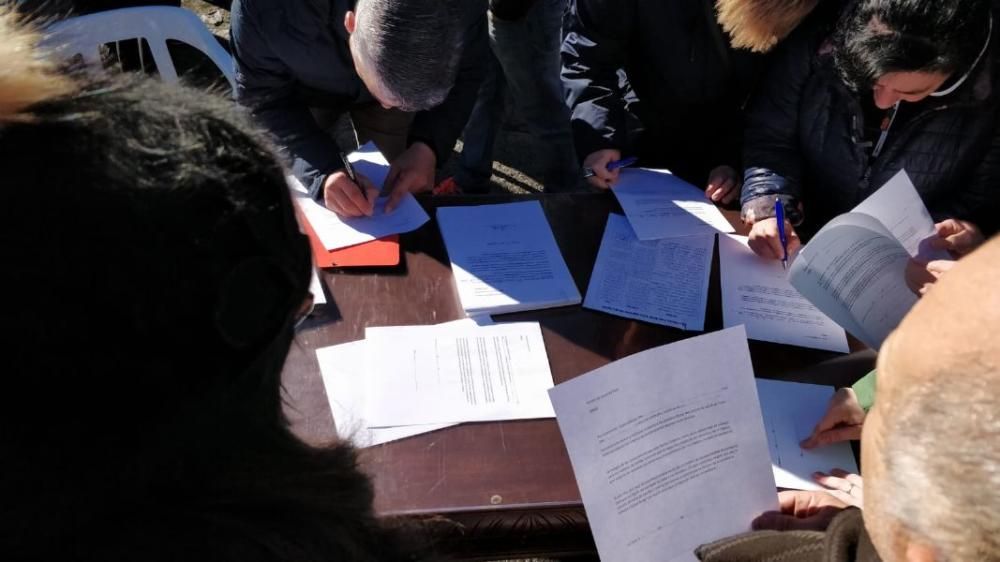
x=921 y=276
x=803 y=511
x=342 y=196
x=846 y=487
x=412 y=172
x=723 y=185
x=841 y=422
x=957 y=236
x=766 y=243
x=598 y=162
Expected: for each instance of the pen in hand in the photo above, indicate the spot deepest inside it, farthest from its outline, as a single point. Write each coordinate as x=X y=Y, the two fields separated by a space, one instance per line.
x=350 y=173
x=779 y=213
x=623 y=163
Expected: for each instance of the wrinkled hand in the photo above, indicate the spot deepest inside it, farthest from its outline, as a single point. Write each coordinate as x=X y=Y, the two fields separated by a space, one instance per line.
x=412 y=172
x=846 y=487
x=766 y=243
x=921 y=276
x=957 y=236
x=723 y=185
x=598 y=162
x=342 y=196
x=841 y=422
x=808 y=511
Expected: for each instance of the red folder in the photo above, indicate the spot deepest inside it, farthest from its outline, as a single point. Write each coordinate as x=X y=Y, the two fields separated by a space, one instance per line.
x=383 y=252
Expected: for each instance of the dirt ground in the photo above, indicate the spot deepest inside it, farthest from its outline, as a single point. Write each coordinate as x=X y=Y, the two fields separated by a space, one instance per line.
x=516 y=169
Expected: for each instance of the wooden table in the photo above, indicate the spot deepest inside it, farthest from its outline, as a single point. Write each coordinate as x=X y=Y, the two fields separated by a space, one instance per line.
x=508 y=485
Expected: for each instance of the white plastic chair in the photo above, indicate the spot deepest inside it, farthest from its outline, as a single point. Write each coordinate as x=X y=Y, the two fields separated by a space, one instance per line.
x=84 y=35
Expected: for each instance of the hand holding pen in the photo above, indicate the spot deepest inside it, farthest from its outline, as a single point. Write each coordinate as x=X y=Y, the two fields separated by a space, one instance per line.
x=774 y=238
x=601 y=168
x=348 y=193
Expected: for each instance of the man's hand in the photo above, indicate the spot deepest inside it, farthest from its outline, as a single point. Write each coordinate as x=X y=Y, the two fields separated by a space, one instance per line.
x=921 y=276
x=412 y=172
x=841 y=422
x=846 y=487
x=342 y=196
x=723 y=185
x=957 y=236
x=766 y=243
x=598 y=162
x=804 y=511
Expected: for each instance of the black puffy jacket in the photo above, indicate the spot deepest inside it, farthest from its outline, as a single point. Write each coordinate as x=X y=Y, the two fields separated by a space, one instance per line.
x=656 y=79
x=805 y=141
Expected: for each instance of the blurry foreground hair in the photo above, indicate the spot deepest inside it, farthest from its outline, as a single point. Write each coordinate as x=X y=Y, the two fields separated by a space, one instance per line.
x=153 y=268
x=758 y=25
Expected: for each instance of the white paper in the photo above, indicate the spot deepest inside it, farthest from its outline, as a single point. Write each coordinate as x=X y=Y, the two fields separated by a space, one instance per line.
x=757 y=294
x=661 y=205
x=854 y=270
x=456 y=374
x=316 y=288
x=668 y=448
x=336 y=232
x=899 y=208
x=659 y=281
x=505 y=258
x=345 y=377
x=791 y=411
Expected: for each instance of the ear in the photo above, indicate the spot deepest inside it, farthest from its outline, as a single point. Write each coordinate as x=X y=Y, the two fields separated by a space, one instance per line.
x=349 y=22
x=919 y=552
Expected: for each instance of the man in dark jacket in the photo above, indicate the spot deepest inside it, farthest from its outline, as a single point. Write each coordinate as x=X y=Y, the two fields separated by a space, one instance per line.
x=662 y=80
x=302 y=63
x=930 y=450
x=857 y=96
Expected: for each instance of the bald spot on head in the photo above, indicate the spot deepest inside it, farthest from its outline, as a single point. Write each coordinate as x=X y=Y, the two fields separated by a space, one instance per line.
x=955 y=325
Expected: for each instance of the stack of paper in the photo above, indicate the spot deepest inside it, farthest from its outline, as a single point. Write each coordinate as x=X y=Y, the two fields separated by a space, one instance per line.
x=668 y=447
x=505 y=258
x=408 y=380
x=660 y=281
x=336 y=232
x=756 y=293
x=655 y=265
x=661 y=205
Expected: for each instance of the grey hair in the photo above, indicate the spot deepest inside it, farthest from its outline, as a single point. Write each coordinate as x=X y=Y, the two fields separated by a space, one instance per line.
x=942 y=462
x=412 y=46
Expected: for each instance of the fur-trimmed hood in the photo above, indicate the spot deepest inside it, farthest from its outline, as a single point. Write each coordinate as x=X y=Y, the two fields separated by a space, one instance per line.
x=26 y=76
x=758 y=25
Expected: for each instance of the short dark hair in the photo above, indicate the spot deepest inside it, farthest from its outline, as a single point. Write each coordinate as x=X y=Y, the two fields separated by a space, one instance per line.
x=875 y=37
x=413 y=46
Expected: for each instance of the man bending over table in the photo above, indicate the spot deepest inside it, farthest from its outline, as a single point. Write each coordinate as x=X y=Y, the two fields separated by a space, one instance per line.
x=406 y=71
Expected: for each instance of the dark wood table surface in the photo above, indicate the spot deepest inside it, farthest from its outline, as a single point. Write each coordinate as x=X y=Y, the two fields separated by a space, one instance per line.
x=508 y=486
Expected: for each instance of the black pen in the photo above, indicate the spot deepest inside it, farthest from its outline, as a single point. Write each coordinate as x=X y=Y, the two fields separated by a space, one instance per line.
x=350 y=173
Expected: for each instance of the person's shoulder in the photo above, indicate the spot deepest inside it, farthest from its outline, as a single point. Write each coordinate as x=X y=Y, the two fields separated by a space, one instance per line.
x=803 y=546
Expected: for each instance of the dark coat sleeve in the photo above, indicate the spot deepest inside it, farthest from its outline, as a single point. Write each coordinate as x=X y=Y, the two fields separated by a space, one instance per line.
x=979 y=202
x=771 y=154
x=266 y=88
x=593 y=55
x=441 y=126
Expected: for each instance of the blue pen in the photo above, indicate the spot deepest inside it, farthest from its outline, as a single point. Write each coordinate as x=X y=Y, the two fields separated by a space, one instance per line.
x=779 y=213
x=623 y=163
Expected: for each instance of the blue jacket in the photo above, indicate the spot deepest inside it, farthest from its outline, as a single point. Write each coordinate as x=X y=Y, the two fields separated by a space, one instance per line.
x=291 y=55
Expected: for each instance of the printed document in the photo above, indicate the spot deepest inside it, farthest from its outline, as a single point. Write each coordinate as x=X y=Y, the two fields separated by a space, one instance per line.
x=668 y=448
x=661 y=205
x=854 y=268
x=456 y=374
x=345 y=378
x=757 y=294
x=336 y=232
x=505 y=258
x=659 y=281
x=791 y=411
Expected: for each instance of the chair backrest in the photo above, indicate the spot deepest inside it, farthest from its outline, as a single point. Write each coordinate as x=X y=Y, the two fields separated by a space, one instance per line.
x=84 y=36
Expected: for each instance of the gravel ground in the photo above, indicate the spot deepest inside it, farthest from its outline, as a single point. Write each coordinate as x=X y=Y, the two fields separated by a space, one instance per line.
x=516 y=169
